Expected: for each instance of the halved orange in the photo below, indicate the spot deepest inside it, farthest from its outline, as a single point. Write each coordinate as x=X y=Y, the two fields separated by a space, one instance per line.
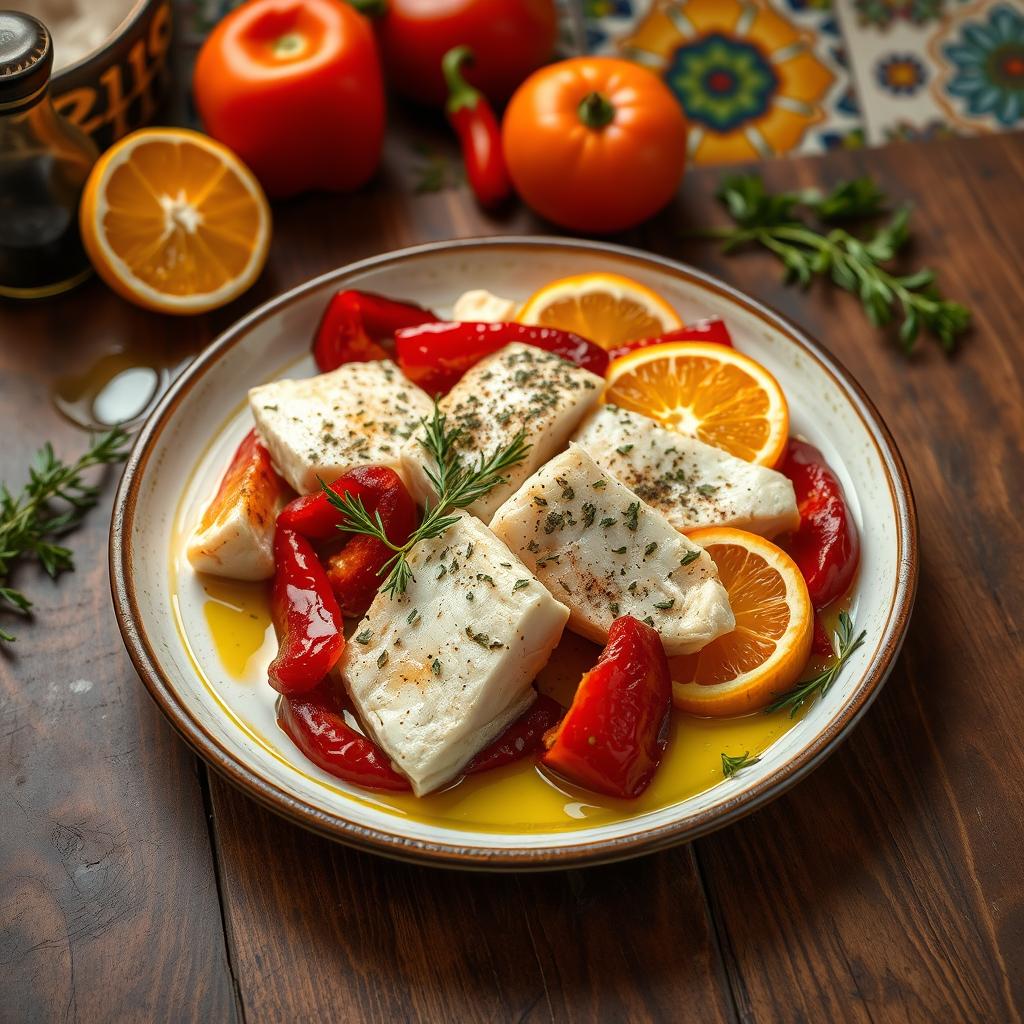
x=174 y=221
x=607 y=309
x=768 y=650
x=707 y=391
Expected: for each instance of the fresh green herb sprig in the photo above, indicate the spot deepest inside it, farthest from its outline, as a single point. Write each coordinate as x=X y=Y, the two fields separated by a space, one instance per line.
x=456 y=484
x=843 y=645
x=854 y=264
x=731 y=765
x=51 y=504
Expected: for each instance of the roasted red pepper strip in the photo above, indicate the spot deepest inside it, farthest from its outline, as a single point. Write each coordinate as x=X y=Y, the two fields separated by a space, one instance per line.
x=474 y=122
x=435 y=356
x=316 y=724
x=612 y=738
x=354 y=571
x=712 y=329
x=358 y=327
x=306 y=615
x=826 y=545
x=522 y=737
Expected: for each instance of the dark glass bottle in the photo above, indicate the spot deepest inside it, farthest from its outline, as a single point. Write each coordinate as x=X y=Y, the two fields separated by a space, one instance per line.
x=44 y=163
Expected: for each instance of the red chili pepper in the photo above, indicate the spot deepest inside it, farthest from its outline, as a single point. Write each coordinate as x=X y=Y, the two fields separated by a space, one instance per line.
x=435 y=356
x=474 y=122
x=355 y=324
x=316 y=724
x=522 y=737
x=612 y=738
x=825 y=545
x=711 y=329
x=306 y=615
x=354 y=571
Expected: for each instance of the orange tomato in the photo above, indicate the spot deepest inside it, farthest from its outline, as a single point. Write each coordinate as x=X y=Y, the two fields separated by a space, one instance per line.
x=595 y=144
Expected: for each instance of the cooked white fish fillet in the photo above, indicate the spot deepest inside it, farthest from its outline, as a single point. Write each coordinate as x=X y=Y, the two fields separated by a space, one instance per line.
x=518 y=387
x=595 y=545
x=357 y=415
x=235 y=537
x=483 y=307
x=691 y=483
x=436 y=673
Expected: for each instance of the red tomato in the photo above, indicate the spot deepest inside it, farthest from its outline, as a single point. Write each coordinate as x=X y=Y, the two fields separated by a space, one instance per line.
x=509 y=39
x=294 y=88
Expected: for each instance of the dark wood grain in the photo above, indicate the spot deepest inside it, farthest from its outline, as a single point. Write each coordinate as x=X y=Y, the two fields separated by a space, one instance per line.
x=888 y=886
x=108 y=897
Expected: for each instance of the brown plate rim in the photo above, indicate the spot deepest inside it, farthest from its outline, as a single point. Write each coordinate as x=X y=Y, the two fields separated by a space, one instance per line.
x=444 y=854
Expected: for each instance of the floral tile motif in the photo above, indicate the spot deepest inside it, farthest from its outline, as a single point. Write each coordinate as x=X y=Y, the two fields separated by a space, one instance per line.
x=754 y=81
x=981 y=67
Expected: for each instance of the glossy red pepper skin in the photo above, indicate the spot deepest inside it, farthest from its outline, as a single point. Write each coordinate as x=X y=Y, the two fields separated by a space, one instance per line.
x=316 y=724
x=826 y=545
x=354 y=571
x=712 y=329
x=478 y=132
x=306 y=616
x=613 y=736
x=524 y=736
x=435 y=356
x=821 y=645
x=357 y=327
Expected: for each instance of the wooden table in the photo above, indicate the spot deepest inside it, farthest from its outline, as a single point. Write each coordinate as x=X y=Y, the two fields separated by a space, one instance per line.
x=889 y=886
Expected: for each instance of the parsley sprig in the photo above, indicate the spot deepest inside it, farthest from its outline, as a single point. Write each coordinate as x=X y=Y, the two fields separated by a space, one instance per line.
x=456 y=484
x=854 y=264
x=52 y=503
x=843 y=645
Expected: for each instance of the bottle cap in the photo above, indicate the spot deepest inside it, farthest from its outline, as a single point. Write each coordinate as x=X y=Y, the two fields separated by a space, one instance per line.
x=26 y=60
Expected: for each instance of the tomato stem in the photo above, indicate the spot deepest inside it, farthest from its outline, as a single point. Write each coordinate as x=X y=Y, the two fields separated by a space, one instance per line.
x=596 y=110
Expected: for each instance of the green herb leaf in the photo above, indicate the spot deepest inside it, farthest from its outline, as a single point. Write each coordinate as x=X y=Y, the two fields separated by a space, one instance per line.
x=52 y=503
x=844 y=644
x=732 y=765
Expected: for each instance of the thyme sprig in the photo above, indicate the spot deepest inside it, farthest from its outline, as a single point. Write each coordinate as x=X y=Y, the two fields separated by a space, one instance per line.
x=854 y=264
x=52 y=503
x=731 y=765
x=843 y=645
x=456 y=483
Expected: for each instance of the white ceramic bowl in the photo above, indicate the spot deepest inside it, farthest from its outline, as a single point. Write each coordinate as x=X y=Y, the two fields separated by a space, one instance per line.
x=186 y=442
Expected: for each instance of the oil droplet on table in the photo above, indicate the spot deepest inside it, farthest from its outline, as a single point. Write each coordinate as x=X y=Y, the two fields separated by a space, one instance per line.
x=115 y=389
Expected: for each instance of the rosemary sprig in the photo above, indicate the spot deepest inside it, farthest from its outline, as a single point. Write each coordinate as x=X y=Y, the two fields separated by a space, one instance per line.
x=456 y=484
x=30 y=523
x=843 y=645
x=854 y=264
x=731 y=765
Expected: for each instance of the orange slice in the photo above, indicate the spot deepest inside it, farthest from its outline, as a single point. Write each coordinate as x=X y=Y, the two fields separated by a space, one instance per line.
x=174 y=221
x=608 y=309
x=711 y=392
x=771 y=644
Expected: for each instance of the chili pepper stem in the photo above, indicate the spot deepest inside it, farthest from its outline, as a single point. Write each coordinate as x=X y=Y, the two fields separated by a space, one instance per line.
x=596 y=110
x=461 y=95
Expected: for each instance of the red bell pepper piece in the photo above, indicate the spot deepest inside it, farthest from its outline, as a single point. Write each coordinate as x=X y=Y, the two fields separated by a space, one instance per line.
x=358 y=327
x=711 y=329
x=826 y=545
x=306 y=616
x=435 y=356
x=316 y=724
x=522 y=737
x=821 y=645
x=612 y=738
x=474 y=122
x=354 y=572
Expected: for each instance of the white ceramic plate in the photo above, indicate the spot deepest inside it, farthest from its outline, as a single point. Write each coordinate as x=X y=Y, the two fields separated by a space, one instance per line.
x=185 y=444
